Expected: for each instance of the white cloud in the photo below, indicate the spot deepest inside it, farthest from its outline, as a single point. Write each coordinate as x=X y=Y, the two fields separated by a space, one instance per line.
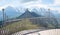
x=3 y=7
x=32 y=4
x=57 y=2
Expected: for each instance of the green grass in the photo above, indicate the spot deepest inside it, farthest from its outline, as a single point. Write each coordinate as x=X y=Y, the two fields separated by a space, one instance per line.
x=25 y=24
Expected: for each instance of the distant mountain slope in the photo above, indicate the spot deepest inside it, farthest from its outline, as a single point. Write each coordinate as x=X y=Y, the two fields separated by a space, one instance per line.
x=0 y=15
x=11 y=12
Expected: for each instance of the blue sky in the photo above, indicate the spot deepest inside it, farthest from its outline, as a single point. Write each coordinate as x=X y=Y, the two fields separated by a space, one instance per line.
x=47 y=1
x=52 y=4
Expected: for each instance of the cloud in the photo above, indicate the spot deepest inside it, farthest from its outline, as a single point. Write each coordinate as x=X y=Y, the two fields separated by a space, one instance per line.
x=53 y=4
x=2 y=3
x=34 y=4
x=57 y=2
x=24 y=1
x=5 y=3
x=47 y=1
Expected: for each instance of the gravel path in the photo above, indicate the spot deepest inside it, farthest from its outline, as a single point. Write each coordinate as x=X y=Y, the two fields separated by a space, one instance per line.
x=47 y=32
x=39 y=32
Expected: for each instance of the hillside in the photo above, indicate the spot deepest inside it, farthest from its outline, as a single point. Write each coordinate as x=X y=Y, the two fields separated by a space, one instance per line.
x=24 y=24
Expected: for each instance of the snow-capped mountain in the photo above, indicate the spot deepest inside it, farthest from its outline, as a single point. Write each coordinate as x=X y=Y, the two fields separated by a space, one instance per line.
x=46 y=12
x=13 y=12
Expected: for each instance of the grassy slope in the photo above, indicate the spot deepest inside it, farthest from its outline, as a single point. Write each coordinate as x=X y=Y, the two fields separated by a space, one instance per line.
x=25 y=24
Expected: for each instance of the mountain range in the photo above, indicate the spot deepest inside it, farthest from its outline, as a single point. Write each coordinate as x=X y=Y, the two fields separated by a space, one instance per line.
x=12 y=12
x=28 y=14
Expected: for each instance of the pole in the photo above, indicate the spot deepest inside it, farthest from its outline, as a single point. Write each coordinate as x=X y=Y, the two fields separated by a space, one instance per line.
x=3 y=17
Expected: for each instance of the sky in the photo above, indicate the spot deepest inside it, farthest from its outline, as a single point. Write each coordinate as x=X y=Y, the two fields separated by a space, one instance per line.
x=52 y=4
